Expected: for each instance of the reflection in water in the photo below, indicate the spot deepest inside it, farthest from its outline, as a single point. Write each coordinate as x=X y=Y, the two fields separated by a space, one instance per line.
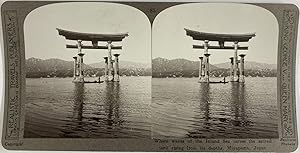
x=57 y=108
x=232 y=110
x=78 y=101
x=238 y=104
x=91 y=119
x=205 y=124
x=76 y=119
x=112 y=104
x=205 y=101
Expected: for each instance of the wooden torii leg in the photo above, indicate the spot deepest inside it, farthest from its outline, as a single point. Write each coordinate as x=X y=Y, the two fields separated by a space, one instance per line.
x=110 y=62
x=200 y=68
x=206 y=75
x=81 y=76
x=75 y=68
x=79 y=66
x=231 y=69
x=242 y=68
x=205 y=78
x=106 y=68
x=116 y=68
x=235 y=62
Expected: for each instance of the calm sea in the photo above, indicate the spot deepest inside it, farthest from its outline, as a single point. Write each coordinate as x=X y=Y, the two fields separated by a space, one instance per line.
x=56 y=107
x=181 y=108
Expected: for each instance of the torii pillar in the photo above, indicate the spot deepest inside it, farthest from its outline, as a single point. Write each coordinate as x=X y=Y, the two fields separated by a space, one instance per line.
x=110 y=62
x=75 y=68
x=242 y=68
x=200 y=69
x=206 y=72
x=106 y=68
x=116 y=68
x=78 y=64
x=81 y=76
x=206 y=63
x=235 y=62
x=231 y=69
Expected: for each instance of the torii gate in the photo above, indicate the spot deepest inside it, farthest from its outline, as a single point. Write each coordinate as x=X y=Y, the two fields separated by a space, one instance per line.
x=111 y=66
x=236 y=70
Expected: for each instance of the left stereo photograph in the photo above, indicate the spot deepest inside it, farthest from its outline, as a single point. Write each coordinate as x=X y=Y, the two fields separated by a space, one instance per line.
x=88 y=71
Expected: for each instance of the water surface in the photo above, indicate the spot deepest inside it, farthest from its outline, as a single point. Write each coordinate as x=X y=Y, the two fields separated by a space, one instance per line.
x=56 y=107
x=182 y=108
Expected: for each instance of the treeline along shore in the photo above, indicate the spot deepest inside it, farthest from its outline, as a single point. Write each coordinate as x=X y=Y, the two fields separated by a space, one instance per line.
x=96 y=72
x=214 y=73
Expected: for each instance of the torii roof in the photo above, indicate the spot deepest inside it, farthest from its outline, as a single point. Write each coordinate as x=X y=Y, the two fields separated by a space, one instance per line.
x=196 y=35
x=71 y=35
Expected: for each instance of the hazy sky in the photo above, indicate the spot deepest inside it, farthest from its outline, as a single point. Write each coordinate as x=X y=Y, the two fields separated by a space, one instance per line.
x=42 y=39
x=170 y=40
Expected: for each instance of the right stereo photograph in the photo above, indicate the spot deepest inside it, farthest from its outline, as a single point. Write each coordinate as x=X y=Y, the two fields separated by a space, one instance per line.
x=214 y=72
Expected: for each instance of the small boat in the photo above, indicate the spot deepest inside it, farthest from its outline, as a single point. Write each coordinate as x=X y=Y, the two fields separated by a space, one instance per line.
x=93 y=81
x=222 y=81
x=218 y=82
x=96 y=81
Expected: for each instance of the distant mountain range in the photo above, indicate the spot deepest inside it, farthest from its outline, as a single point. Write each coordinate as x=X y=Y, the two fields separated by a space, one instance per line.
x=53 y=64
x=165 y=65
x=36 y=68
x=161 y=67
x=123 y=64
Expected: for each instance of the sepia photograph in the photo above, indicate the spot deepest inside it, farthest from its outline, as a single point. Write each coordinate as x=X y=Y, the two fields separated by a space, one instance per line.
x=149 y=76
x=214 y=69
x=88 y=71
